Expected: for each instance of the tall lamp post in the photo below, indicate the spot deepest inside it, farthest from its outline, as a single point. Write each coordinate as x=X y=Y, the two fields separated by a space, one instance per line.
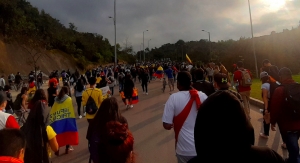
x=114 y=19
x=253 y=45
x=141 y=52
x=148 y=48
x=143 y=44
x=209 y=41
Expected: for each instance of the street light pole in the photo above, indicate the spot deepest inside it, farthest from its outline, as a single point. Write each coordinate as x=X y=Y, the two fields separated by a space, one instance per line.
x=148 y=48
x=209 y=41
x=140 y=52
x=143 y=44
x=115 y=19
x=253 y=45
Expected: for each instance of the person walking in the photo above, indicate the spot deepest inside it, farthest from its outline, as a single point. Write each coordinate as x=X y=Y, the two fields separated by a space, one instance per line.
x=79 y=88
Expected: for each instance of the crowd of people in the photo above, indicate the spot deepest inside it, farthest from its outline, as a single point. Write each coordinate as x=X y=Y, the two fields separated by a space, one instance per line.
x=205 y=113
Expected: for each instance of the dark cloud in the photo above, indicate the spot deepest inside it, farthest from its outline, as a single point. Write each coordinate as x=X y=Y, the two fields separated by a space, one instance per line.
x=171 y=20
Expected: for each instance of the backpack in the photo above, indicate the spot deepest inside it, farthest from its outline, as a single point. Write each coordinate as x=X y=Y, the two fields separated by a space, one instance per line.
x=17 y=102
x=79 y=87
x=292 y=98
x=246 y=78
x=91 y=107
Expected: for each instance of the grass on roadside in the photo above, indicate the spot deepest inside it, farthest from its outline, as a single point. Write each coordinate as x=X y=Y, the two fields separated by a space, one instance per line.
x=256 y=84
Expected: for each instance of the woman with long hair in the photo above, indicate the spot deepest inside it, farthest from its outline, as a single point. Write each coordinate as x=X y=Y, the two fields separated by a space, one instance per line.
x=108 y=111
x=24 y=96
x=79 y=88
x=40 y=137
x=118 y=144
x=62 y=119
x=39 y=95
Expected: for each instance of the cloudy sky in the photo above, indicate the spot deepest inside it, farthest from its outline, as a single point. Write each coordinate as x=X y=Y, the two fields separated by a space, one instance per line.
x=171 y=20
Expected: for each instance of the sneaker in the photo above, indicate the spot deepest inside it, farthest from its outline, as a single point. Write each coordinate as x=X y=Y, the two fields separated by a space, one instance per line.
x=80 y=117
x=147 y=93
x=263 y=135
x=261 y=110
x=84 y=114
x=131 y=106
x=283 y=145
x=71 y=148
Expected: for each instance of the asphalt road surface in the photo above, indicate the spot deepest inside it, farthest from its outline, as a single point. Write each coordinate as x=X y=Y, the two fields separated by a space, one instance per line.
x=154 y=144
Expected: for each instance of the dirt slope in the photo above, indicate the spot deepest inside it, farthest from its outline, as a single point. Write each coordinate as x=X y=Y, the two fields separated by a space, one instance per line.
x=13 y=59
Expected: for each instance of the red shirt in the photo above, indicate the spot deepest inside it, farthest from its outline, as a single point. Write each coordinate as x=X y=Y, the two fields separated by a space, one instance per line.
x=8 y=159
x=238 y=77
x=279 y=112
x=8 y=121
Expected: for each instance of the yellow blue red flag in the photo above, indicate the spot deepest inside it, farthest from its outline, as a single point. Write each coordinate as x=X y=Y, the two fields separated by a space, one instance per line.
x=63 y=122
x=188 y=59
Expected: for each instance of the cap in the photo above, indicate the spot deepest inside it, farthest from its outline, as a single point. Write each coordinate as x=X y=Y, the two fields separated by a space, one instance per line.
x=285 y=72
x=3 y=97
x=222 y=80
x=263 y=74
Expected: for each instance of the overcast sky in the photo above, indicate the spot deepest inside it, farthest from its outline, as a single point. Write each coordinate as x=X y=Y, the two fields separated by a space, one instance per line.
x=171 y=20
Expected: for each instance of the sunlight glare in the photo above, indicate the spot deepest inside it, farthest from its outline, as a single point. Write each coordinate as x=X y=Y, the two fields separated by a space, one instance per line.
x=274 y=5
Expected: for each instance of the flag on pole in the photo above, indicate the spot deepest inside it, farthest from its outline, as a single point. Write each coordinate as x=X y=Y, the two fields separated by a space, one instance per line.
x=188 y=59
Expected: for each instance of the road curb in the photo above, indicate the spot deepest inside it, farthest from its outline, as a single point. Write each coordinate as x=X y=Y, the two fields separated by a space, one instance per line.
x=256 y=102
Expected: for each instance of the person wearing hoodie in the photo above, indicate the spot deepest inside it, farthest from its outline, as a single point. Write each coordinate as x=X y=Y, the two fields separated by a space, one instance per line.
x=226 y=117
x=62 y=120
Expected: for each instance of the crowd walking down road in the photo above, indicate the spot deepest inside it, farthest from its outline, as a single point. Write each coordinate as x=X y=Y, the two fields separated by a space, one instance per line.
x=180 y=112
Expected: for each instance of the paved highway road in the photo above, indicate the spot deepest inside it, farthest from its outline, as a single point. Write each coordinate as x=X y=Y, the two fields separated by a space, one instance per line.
x=153 y=144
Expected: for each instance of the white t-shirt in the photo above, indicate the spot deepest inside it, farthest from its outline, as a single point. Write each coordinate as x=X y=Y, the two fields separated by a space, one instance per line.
x=267 y=87
x=174 y=106
x=189 y=67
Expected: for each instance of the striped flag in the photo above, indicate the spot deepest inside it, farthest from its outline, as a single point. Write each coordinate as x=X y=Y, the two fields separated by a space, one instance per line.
x=188 y=59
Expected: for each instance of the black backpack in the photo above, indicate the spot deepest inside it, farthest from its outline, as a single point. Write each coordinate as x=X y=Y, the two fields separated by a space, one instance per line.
x=79 y=86
x=292 y=94
x=17 y=102
x=91 y=107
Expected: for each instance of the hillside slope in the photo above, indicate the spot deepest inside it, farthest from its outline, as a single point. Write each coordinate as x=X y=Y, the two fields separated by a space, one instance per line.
x=14 y=59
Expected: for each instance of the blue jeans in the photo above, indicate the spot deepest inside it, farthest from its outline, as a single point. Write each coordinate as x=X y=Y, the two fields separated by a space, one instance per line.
x=292 y=145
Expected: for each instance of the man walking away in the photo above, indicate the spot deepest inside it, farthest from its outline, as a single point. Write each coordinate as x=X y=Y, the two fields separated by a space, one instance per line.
x=285 y=112
x=244 y=79
x=180 y=113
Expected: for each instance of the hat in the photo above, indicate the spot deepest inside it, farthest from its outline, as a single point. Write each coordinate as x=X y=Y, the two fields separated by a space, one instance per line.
x=285 y=72
x=3 y=97
x=222 y=80
x=263 y=74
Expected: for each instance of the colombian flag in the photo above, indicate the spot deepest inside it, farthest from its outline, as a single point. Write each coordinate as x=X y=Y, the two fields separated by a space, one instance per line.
x=159 y=73
x=135 y=97
x=188 y=59
x=63 y=122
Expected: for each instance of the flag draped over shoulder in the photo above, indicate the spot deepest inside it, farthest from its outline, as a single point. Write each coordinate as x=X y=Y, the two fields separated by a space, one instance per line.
x=188 y=59
x=159 y=72
x=135 y=97
x=63 y=122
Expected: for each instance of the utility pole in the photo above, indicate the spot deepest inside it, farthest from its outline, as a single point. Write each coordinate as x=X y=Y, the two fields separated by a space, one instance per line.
x=253 y=45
